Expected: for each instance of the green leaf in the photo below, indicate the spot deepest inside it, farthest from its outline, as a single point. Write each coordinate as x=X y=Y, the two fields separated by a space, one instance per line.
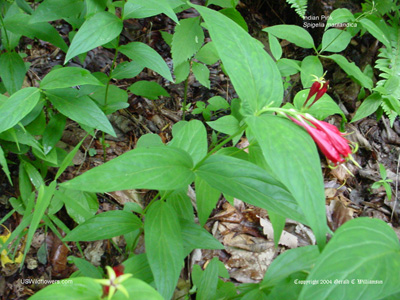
x=293 y=156
x=148 y=89
x=202 y=74
x=51 y=10
x=80 y=206
x=182 y=203
x=250 y=183
x=217 y=103
x=206 y=199
x=149 y=140
x=89 y=36
x=138 y=290
x=181 y=71
x=275 y=46
x=196 y=237
x=192 y=138
x=147 y=57
x=292 y=33
x=335 y=40
x=21 y=24
x=80 y=109
x=127 y=70
x=4 y=166
x=226 y=124
x=376 y=32
x=12 y=71
x=158 y=6
x=341 y=260
x=161 y=168
x=16 y=107
x=105 y=226
x=53 y=132
x=164 y=246
x=68 y=77
x=138 y=266
x=80 y=288
x=208 y=54
x=289 y=262
x=167 y=37
x=253 y=72
x=311 y=65
x=207 y=288
x=321 y=109
x=85 y=267
x=352 y=70
x=187 y=40
x=235 y=16
x=340 y=15
x=68 y=159
x=368 y=106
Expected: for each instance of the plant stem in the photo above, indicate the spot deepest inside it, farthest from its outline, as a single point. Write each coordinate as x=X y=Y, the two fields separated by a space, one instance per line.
x=185 y=98
x=5 y=31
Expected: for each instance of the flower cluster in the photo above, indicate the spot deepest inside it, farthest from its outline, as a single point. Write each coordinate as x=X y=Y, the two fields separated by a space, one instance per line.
x=328 y=138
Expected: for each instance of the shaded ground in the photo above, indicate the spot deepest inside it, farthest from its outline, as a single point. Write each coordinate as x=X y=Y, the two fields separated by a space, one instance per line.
x=244 y=230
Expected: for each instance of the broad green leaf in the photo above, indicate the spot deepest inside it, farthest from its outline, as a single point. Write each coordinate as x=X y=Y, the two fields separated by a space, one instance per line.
x=289 y=262
x=379 y=263
x=81 y=206
x=288 y=67
x=127 y=70
x=147 y=57
x=167 y=37
x=321 y=109
x=80 y=109
x=89 y=36
x=292 y=33
x=159 y=6
x=79 y=288
x=340 y=15
x=311 y=65
x=376 y=32
x=235 y=16
x=164 y=246
x=148 y=89
x=105 y=226
x=68 y=77
x=16 y=107
x=223 y=3
x=21 y=24
x=34 y=176
x=192 y=138
x=202 y=73
x=138 y=290
x=275 y=47
x=85 y=267
x=206 y=199
x=24 y=6
x=217 y=102
x=196 y=237
x=208 y=54
x=161 y=168
x=253 y=72
x=250 y=183
x=278 y=224
x=12 y=71
x=368 y=106
x=293 y=157
x=228 y=125
x=352 y=70
x=207 y=288
x=53 y=132
x=335 y=40
x=149 y=140
x=4 y=166
x=182 y=203
x=181 y=71
x=187 y=40
x=51 y=10
x=138 y=266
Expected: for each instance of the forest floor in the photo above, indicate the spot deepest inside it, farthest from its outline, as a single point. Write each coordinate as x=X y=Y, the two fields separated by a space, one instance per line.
x=244 y=230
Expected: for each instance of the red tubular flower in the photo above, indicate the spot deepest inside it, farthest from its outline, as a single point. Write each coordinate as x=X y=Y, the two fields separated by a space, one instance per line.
x=313 y=90
x=327 y=137
x=320 y=92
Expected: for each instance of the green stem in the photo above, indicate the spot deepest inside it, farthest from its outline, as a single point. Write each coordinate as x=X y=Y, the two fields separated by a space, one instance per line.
x=220 y=145
x=110 y=75
x=5 y=31
x=185 y=98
